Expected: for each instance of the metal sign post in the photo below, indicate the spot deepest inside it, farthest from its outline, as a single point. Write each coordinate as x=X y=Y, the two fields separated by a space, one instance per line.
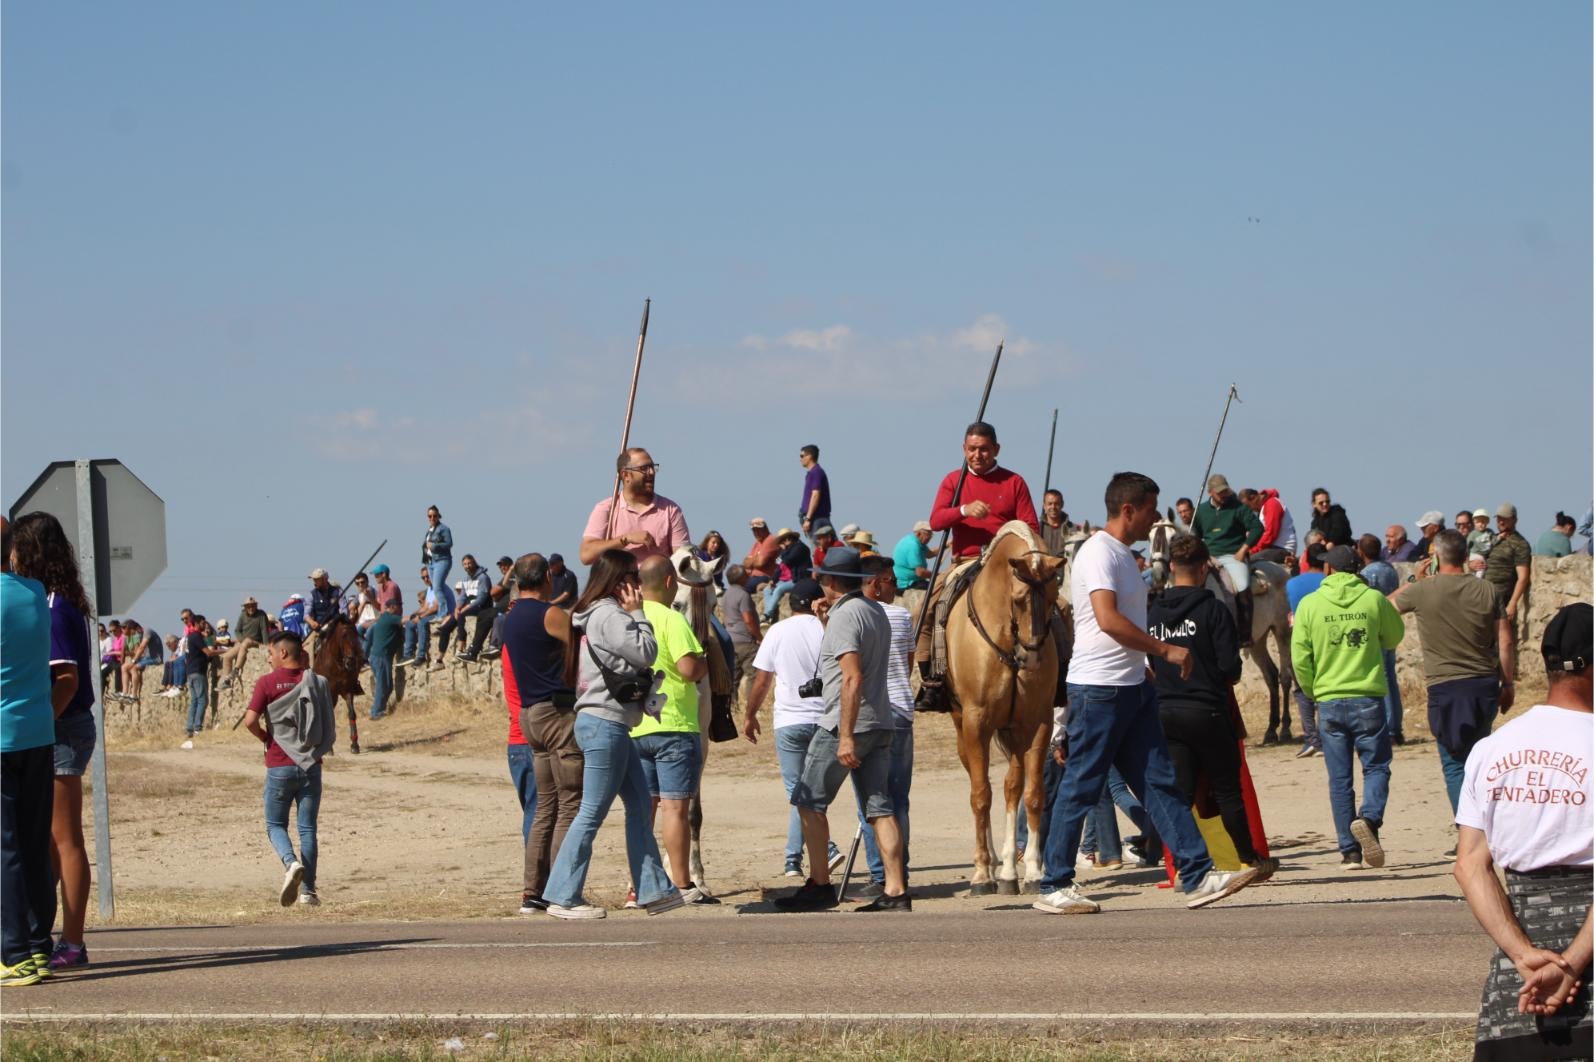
x=121 y=550
x=102 y=796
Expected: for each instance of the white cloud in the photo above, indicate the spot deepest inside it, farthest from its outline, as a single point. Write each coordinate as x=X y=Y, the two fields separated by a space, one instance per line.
x=834 y=338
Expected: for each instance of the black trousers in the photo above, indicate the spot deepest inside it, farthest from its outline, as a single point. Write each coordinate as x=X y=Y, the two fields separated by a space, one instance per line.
x=1202 y=739
x=27 y=884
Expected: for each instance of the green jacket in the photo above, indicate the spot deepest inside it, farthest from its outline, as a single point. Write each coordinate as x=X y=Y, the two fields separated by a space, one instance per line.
x=1341 y=632
x=1225 y=530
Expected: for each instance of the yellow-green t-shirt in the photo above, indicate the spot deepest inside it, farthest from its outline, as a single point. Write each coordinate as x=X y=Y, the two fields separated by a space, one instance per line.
x=675 y=640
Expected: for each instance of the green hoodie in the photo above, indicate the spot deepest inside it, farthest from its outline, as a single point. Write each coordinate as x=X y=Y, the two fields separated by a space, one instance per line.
x=1341 y=632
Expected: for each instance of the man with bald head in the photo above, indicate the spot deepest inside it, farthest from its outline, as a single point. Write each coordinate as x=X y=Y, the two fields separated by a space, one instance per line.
x=669 y=744
x=1397 y=547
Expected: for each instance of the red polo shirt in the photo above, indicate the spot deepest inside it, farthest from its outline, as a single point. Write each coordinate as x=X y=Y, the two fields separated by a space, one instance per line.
x=1004 y=491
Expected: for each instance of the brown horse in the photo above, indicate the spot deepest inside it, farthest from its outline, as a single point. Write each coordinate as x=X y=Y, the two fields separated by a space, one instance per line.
x=1002 y=674
x=338 y=656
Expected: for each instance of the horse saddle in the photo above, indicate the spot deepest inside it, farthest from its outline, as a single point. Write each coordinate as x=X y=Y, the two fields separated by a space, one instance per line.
x=958 y=580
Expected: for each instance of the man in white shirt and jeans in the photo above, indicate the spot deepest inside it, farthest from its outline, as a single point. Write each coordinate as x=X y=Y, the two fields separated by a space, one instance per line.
x=1112 y=711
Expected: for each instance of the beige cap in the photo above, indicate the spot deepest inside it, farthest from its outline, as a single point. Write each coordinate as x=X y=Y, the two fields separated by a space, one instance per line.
x=318 y=573
x=1507 y=510
x=758 y=521
x=1217 y=483
x=1480 y=514
x=862 y=540
x=786 y=532
x=250 y=601
x=922 y=525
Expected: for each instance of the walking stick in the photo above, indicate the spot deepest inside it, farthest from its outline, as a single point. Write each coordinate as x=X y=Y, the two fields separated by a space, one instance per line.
x=630 y=404
x=1049 y=448
x=1234 y=395
x=957 y=492
x=846 y=870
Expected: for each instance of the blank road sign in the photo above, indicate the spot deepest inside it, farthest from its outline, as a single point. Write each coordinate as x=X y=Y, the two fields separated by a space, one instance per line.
x=129 y=526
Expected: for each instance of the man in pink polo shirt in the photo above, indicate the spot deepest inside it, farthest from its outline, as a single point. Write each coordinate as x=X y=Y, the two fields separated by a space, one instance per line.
x=647 y=524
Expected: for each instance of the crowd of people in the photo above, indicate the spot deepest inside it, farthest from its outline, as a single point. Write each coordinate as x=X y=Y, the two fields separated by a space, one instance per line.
x=607 y=689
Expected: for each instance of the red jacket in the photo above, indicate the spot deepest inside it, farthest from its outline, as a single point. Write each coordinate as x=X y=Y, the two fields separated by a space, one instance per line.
x=1004 y=491
x=1272 y=519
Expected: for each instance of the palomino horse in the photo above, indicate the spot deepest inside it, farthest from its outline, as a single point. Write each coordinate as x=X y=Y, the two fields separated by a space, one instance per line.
x=694 y=599
x=1002 y=677
x=339 y=655
x=1271 y=613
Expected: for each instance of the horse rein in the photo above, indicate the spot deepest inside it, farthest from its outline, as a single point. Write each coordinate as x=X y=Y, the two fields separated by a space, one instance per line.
x=1039 y=611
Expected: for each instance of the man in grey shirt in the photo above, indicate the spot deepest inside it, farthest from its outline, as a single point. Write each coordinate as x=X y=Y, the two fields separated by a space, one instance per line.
x=854 y=735
x=741 y=623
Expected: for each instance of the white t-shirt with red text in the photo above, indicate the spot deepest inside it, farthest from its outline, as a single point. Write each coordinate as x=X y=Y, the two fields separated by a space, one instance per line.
x=1527 y=787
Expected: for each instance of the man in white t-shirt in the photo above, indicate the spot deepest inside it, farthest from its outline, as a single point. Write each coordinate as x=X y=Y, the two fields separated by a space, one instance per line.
x=788 y=656
x=1113 y=719
x=1527 y=806
x=882 y=589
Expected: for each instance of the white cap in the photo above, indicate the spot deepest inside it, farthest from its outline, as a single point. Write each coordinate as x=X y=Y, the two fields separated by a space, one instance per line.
x=1432 y=516
x=318 y=573
x=922 y=525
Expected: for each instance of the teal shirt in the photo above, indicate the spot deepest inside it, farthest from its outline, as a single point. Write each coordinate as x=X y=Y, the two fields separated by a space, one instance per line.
x=1553 y=544
x=27 y=719
x=910 y=555
x=387 y=635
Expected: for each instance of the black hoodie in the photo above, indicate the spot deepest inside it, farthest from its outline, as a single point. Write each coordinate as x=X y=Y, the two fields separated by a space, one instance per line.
x=1192 y=618
x=1334 y=526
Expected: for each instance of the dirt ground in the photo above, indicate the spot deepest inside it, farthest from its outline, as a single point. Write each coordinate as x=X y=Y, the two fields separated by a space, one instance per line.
x=424 y=824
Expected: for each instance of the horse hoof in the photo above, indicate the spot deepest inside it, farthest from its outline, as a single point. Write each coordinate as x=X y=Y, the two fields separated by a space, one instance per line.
x=1007 y=887
x=1031 y=887
x=1286 y=736
x=982 y=888
x=1270 y=738
x=355 y=748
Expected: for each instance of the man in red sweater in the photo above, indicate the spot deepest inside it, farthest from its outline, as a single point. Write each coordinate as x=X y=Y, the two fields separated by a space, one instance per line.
x=991 y=497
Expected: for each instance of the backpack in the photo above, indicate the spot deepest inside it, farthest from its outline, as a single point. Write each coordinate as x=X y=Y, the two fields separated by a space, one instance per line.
x=302 y=721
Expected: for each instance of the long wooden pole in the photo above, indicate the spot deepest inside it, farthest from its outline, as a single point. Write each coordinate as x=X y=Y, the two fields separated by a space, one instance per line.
x=957 y=494
x=1049 y=448
x=1234 y=393
x=630 y=405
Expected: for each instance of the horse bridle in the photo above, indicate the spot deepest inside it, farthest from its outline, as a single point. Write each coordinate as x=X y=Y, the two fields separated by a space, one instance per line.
x=1040 y=610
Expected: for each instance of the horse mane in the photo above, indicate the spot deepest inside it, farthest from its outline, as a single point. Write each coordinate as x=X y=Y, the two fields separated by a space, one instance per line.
x=1019 y=529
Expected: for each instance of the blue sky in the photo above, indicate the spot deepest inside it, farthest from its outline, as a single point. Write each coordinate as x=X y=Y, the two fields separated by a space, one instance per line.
x=308 y=269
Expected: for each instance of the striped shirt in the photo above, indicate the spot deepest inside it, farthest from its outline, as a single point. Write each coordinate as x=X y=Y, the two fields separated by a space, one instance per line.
x=898 y=691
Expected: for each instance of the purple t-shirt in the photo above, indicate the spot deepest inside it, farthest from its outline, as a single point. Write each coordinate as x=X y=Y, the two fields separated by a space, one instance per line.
x=69 y=644
x=816 y=480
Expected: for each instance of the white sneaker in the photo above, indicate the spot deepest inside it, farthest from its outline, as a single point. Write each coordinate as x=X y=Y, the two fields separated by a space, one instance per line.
x=579 y=912
x=290 y=883
x=837 y=858
x=1367 y=837
x=1219 y=884
x=1066 y=901
x=308 y=899
x=668 y=903
x=187 y=744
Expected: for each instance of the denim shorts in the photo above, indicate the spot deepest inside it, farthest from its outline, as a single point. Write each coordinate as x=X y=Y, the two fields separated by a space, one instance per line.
x=823 y=773
x=74 y=744
x=669 y=759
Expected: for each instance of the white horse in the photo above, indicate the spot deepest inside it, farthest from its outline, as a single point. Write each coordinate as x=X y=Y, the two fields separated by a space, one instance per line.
x=694 y=599
x=1271 y=613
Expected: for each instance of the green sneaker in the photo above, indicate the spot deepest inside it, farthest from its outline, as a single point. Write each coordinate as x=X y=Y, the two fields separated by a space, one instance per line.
x=23 y=973
x=41 y=962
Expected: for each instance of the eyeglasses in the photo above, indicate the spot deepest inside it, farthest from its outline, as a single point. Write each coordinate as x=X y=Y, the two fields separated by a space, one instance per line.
x=654 y=467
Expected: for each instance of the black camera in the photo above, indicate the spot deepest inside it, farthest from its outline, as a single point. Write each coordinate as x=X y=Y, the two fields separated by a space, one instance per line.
x=814 y=687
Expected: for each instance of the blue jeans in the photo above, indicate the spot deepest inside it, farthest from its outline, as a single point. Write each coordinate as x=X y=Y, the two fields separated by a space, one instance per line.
x=198 y=695
x=1119 y=726
x=417 y=636
x=791 y=747
x=525 y=779
x=1308 y=713
x=439 y=568
x=287 y=786
x=1393 y=708
x=1355 y=725
x=381 y=683
x=1101 y=828
x=901 y=781
x=772 y=595
x=613 y=768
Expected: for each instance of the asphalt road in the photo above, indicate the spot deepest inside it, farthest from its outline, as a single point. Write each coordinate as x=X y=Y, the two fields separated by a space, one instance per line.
x=1314 y=964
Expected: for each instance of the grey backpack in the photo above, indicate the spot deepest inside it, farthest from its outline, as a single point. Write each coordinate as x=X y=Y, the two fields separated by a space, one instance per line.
x=302 y=721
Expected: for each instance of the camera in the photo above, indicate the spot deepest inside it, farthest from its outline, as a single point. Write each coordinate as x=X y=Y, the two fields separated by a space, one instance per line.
x=814 y=687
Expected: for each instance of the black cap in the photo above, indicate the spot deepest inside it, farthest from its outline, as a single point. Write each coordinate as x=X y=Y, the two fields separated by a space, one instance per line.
x=1569 y=639
x=506 y=562
x=554 y=558
x=1341 y=559
x=804 y=592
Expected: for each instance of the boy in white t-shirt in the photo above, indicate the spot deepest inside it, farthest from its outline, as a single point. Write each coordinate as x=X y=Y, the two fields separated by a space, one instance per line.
x=789 y=657
x=1112 y=711
x=1527 y=807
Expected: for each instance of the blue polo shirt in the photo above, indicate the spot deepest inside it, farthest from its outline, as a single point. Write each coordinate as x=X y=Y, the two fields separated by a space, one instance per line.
x=27 y=720
x=69 y=644
x=910 y=555
x=1300 y=586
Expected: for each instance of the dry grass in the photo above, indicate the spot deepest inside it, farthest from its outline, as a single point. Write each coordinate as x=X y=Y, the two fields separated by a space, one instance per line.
x=615 y=1040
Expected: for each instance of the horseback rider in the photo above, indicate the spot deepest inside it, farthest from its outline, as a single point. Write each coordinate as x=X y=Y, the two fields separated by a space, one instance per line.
x=991 y=497
x=1230 y=530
